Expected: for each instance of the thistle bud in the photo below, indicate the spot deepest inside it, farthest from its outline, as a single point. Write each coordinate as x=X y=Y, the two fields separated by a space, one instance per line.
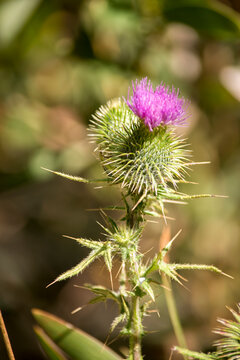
x=137 y=146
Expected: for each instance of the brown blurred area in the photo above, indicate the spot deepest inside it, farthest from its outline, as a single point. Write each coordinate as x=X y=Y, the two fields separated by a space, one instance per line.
x=59 y=61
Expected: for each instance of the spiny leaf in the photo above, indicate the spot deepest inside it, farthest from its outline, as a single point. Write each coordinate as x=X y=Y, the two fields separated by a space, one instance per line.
x=199 y=196
x=49 y=347
x=153 y=266
x=97 y=299
x=108 y=231
x=102 y=291
x=124 y=305
x=77 y=344
x=70 y=177
x=118 y=319
x=169 y=245
x=169 y=195
x=109 y=221
x=228 y=347
x=152 y=213
x=108 y=258
x=167 y=270
x=235 y=314
x=80 y=267
x=91 y=244
x=148 y=289
x=76 y=178
x=194 y=354
x=199 y=267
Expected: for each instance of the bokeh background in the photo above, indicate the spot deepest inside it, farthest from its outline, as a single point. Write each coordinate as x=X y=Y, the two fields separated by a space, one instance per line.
x=59 y=61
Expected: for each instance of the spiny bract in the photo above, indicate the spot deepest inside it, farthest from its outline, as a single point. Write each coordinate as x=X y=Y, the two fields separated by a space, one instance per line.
x=139 y=159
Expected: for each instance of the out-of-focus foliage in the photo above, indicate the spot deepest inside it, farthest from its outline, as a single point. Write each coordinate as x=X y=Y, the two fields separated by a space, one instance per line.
x=228 y=346
x=60 y=335
x=61 y=59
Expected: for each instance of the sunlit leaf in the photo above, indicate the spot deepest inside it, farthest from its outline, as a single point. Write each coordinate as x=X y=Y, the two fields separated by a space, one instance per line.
x=118 y=319
x=108 y=258
x=75 y=343
x=67 y=176
x=198 y=267
x=91 y=244
x=102 y=291
x=49 y=347
x=194 y=354
x=147 y=287
x=79 y=267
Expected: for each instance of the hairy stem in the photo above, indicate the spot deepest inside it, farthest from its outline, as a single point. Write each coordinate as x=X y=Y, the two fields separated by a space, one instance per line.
x=136 y=330
x=6 y=338
x=172 y=309
x=135 y=326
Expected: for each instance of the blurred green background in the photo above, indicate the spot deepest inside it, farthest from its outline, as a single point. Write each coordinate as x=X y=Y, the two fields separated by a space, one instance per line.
x=59 y=61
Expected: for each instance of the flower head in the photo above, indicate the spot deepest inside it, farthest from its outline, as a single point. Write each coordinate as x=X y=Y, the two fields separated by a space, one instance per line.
x=161 y=106
x=141 y=160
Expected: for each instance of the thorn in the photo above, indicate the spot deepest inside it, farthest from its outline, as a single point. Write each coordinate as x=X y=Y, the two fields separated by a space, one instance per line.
x=111 y=279
x=76 y=310
x=81 y=287
x=162 y=208
x=166 y=288
x=138 y=202
x=171 y=354
x=108 y=336
x=229 y=276
x=120 y=268
x=168 y=244
x=183 y=278
x=188 y=182
x=69 y=237
x=185 y=287
x=43 y=168
x=198 y=163
x=164 y=239
x=97 y=209
x=221 y=196
x=179 y=232
x=146 y=252
x=174 y=202
x=153 y=331
x=51 y=284
x=114 y=339
x=154 y=311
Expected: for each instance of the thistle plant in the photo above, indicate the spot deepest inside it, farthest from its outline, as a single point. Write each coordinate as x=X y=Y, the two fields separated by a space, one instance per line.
x=141 y=154
x=228 y=346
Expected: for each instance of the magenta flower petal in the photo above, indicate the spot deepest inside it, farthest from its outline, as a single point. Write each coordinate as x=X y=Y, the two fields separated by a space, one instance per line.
x=161 y=106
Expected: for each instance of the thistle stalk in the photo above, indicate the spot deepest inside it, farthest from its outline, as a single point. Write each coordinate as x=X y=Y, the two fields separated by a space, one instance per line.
x=173 y=313
x=139 y=151
x=136 y=330
x=169 y=296
x=134 y=263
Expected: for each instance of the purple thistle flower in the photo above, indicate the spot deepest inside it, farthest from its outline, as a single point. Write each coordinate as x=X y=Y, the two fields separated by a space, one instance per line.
x=161 y=106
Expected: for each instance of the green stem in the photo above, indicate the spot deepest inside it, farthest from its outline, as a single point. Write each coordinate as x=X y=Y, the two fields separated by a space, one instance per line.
x=136 y=330
x=6 y=338
x=135 y=321
x=172 y=309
